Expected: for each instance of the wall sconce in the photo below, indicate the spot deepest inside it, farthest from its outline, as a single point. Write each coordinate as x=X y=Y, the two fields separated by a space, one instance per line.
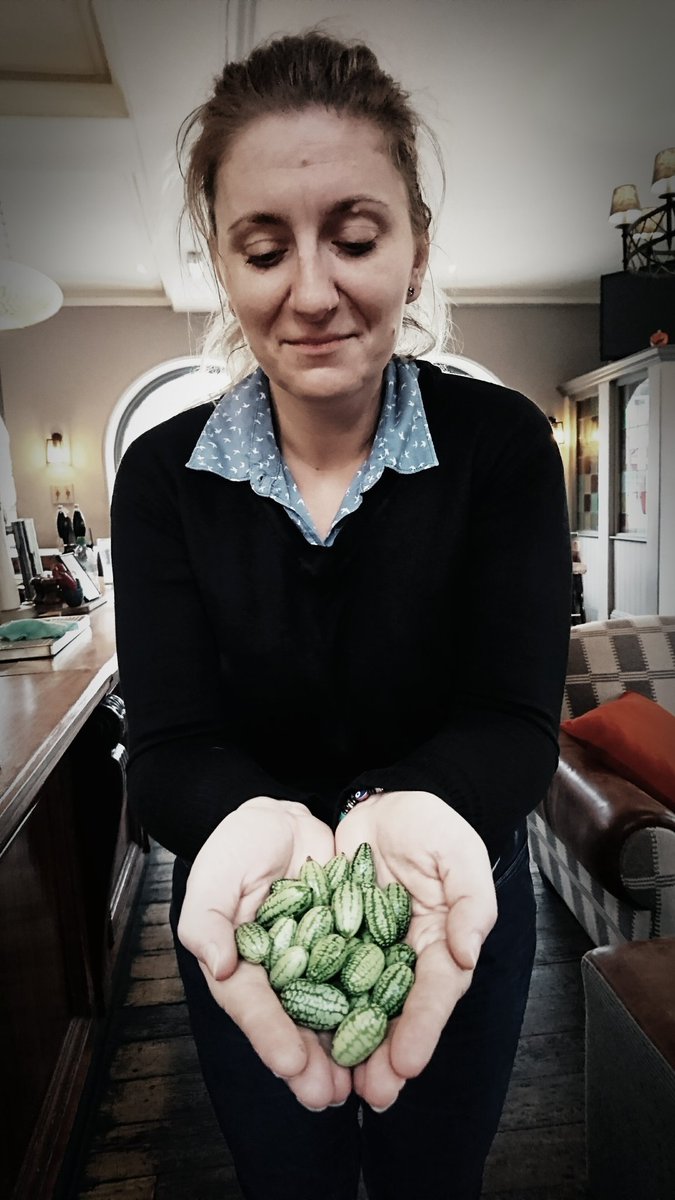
x=57 y=451
x=558 y=430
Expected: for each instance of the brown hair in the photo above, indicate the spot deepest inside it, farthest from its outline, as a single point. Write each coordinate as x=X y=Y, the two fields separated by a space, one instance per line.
x=290 y=74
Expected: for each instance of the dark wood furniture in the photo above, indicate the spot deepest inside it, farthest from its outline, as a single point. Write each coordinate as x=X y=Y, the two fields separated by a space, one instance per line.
x=71 y=860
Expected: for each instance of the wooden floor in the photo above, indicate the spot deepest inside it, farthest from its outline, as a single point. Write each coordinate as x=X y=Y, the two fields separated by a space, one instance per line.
x=150 y=1134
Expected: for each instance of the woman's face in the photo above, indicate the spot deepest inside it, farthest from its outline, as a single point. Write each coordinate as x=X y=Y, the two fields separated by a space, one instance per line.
x=315 y=249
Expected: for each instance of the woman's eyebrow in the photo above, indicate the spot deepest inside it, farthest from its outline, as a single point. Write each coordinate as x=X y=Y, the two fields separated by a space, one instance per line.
x=269 y=218
x=256 y=218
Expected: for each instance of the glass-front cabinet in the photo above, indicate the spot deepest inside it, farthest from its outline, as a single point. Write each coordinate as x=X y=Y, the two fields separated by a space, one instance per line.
x=620 y=461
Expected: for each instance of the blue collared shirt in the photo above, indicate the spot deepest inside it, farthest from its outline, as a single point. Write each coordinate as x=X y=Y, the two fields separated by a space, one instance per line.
x=239 y=443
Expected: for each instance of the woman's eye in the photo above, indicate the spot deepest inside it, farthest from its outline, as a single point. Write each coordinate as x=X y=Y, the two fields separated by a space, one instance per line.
x=268 y=259
x=356 y=249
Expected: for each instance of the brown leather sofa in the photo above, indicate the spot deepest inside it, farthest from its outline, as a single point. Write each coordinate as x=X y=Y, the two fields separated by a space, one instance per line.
x=630 y=1070
x=605 y=845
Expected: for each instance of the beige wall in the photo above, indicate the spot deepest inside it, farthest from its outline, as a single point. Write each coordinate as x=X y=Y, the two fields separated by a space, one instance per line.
x=69 y=372
x=531 y=347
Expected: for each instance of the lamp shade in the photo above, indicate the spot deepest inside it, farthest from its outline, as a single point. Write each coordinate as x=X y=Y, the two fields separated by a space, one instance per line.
x=26 y=296
x=664 y=172
x=626 y=206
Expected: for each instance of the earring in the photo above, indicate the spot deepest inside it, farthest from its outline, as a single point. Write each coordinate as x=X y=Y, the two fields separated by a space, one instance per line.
x=411 y=292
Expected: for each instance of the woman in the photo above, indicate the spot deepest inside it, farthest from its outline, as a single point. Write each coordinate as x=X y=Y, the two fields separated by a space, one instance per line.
x=328 y=552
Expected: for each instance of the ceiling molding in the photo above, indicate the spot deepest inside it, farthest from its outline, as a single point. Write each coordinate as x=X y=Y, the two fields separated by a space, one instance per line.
x=114 y=298
x=60 y=98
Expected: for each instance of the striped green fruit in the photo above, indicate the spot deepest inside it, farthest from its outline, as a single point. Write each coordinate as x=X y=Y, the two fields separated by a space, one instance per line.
x=362 y=969
x=358 y=1035
x=313 y=875
x=315 y=924
x=392 y=988
x=401 y=905
x=380 y=919
x=400 y=952
x=289 y=965
x=253 y=942
x=278 y=884
x=347 y=905
x=282 y=935
x=363 y=866
x=360 y=1001
x=287 y=901
x=337 y=870
x=326 y=957
x=316 y=1005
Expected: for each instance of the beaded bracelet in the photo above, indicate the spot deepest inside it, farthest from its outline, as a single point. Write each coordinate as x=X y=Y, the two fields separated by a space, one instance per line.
x=357 y=797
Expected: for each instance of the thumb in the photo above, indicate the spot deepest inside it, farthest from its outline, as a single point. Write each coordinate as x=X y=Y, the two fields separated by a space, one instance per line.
x=212 y=943
x=464 y=938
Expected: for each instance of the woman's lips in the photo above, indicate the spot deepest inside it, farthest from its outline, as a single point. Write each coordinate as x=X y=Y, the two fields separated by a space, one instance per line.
x=315 y=345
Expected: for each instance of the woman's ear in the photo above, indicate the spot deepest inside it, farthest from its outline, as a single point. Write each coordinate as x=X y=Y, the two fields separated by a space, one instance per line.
x=420 y=262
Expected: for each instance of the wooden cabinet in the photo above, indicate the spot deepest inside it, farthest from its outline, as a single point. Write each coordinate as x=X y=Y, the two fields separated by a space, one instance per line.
x=70 y=863
x=622 y=483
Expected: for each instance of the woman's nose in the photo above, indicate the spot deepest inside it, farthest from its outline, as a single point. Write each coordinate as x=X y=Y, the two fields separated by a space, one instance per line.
x=313 y=292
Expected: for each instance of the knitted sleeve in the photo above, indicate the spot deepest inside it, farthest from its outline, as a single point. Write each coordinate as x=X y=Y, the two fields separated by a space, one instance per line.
x=184 y=774
x=496 y=746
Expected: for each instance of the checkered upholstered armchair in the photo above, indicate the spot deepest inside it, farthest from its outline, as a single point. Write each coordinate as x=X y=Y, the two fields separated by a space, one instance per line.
x=604 y=844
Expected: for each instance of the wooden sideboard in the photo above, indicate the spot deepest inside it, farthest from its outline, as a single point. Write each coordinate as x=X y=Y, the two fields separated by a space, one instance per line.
x=71 y=860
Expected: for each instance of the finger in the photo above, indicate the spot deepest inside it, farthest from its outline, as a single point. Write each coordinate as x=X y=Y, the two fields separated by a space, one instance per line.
x=248 y=998
x=439 y=984
x=210 y=937
x=468 y=923
x=314 y=1086
x=375 y=1080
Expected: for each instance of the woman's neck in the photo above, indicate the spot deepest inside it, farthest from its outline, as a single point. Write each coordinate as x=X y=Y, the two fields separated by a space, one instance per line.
x=326 y=436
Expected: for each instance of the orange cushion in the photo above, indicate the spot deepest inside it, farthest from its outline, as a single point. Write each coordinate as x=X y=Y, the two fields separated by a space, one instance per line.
x=635 y=737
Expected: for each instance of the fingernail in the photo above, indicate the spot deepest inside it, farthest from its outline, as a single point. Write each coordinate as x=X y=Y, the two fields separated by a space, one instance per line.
x=314 y=1109
x=211 y=957
x=338 y=1103
x=474 y=946
x=379 y=1110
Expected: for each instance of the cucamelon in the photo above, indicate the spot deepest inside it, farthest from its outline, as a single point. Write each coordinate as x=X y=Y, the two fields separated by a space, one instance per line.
x=313 y=875
x=400 y=952
x=401 y=906
x=285 y=902
x=282 y=933
x=288 y=966
x=331 y=943
x=379 y=916
x=363 y=866
x=315 y=924
x=360 y=1001
x=392 y=988
x=358 y=1035
x=347 y=905
x=337 y=870
x=362 y=969
x=253 y=942
x=327 y=957
x=317 y=1005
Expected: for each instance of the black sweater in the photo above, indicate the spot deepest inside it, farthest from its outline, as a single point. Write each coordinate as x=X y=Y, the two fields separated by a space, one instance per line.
x=425 y=650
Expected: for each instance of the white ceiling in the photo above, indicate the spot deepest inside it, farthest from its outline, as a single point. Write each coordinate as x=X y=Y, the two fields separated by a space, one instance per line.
x=541 y=108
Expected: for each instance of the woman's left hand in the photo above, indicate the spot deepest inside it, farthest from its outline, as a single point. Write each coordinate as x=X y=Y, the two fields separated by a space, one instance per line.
x=420 y=841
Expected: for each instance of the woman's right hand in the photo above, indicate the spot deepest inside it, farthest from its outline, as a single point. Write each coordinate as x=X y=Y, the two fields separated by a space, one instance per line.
x=261 y=841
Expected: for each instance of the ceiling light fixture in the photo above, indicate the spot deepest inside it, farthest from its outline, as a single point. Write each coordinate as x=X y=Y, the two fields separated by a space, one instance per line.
x=648 y=234
x=26 y=295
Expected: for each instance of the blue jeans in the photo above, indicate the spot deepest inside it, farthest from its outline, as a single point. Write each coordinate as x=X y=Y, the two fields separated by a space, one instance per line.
x=433 y=1142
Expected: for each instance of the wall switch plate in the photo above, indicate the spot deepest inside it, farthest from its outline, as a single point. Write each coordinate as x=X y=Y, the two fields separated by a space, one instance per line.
x=62 y=493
